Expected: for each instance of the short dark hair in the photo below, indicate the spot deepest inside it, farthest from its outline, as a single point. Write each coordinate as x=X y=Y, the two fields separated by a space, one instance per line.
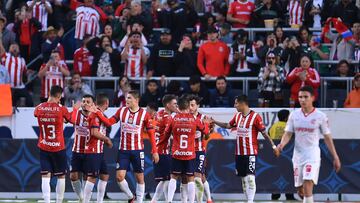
x=151 y=81
x=168 y=98
x=135 y=94
x=194 y=97
x=153 y=106
x=101 y=98
x=56 y=90
x=221 y=78
x=134 y=33
x=341 y=62
x=307 y=88
x=89 y=96
x=183 y=102
x=194 y=79
x=283 y=114
x=242 y=99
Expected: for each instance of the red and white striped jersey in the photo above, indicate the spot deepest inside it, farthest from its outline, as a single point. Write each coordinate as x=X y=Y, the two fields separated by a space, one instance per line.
x=82 y=61
x=53 y=77
x=199 y=137
x=132 y=124
x=296 y=12
x=87 y=22
x=40 y=13
x=82 y=132
x=247 y=130
x=16 y=67
x=134 y=67
x=162 y=119
x=93 y=144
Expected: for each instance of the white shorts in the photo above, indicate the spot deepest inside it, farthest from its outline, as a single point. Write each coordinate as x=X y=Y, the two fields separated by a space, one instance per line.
x=308 y=171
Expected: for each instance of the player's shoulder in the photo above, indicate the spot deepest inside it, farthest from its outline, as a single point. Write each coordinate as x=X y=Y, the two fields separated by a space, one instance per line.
x=320 y=113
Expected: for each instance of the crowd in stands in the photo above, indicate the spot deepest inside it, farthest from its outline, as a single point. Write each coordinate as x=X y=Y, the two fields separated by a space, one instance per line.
x=129 y=39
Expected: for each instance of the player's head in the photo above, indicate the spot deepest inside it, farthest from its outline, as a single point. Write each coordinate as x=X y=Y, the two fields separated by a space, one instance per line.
x=306 y=96
x=56 y=93
x=241 y=103
x=132 y=99
x=102 y=101
x=87 y=101
x=170 y=102
x=194 y=102
x=152 y=108
x=183 y=103
x=283 y=115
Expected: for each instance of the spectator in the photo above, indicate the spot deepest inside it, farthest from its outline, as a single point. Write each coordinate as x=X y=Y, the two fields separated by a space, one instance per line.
x=207 y=21
x=269 y=10
x=83 y=59
x=4 y=75
x=138 y=14
x=222 y=96
x=185 y=58
x=198 y=5
x=108 y=9
x=270 y=81
x=214 y=54
x=17 y=70
x=52 y=41
x=347 y=11
x=108 y=31
x=120 y=26
x=198 y=88
x=135 y=56
x=26 y=29
x=134 y=27
x=220 y=18
x=158 y=13
x=75 y=90
x=341 y=48
x=225 y=34
x=342 y=70
x=300 y=76
x=121 y=7
x=106 y=59
x=296 y=12
x=291 y=54
x=153 y=93
x=52 y=73
x=242 y=55
x=162 y=58
x=239 y=13
x=353 y=98
x=175 y=88
x=315 y=13
x=270 y=46
x=40 y=10
x=120 y=95
x=7 y=36
x=320 y=52
x=304 y=37
x=279 y=36
x=178 y=18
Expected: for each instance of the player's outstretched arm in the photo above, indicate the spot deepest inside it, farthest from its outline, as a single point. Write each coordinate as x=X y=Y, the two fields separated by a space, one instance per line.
x=268 y=138
x=221 y=124
x=284 y=140
x=330 y=145
x=96 y=133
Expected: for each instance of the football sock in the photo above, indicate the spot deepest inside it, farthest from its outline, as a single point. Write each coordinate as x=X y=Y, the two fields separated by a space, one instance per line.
x=251 y=189
x=184 y=193
x=140 y=190
x=158 y=191
x=78 y=189
x=207 y=191
x=124 y=186
x=101 y=188
x=308 y=199
x=60 y=190
x=191 y=191
x=45 y=188
x=165 y=187
x=88 y=191
x=171 y=189
x=199 y=189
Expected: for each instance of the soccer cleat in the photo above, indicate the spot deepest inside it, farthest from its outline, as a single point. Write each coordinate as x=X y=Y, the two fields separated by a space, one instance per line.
x=106 y=196
x=209 y=201
x=132 y=200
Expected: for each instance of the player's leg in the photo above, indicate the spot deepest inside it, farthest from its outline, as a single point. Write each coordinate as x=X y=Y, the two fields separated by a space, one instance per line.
x=176 y=171
x=77 y=160
x=207 y=192
x=162 y=175
x=184 y=189
x=122 y=165
x=46 y=169
x=199 y=171
x=240 y=167
x=250 y=178
x=190 y=169
x=103 y=180
x=310 y=177
x=298 y=180
x=92 y=168
x=137 y=159
x=60 y=169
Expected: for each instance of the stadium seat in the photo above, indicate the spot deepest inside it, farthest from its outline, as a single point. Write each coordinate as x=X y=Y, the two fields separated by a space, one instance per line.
x=338 y=95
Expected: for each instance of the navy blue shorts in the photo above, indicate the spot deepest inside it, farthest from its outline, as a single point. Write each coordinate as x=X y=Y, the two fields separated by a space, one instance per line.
x=245 y=165
x=185 y=167
x=135 y=157
x=77 y=163
x=53 y=162
x=162 y=168
x=200 y=162
x=95 y=164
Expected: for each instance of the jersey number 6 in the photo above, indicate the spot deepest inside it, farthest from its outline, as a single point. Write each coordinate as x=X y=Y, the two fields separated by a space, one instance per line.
x=183 y=141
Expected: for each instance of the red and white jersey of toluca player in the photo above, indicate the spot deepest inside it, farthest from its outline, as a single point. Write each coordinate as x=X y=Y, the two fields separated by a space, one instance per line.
x=247 y=130
x=82 y=132
x=93 y=144
x=296 y=12
x=134 y=67
x=16 y=67
x=162 y=142
x=200 y=137
x=53 y=77
x=40 y=13
x=50 y=118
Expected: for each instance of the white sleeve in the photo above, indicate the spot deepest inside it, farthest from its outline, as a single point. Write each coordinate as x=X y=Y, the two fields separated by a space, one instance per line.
x=48 y=4
x=324 y=125
x=231 y=56
x=147 y=52
x=253 y=59
x=143 y=40
x=290 y=124
x=123 y=41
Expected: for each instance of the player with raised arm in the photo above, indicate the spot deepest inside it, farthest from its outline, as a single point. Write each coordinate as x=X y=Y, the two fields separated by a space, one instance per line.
x=248 y=124
x=95 y=165
x=82 y=131
x=133 y=120
x=53 y=161
x=183 y=127
x=308 y=123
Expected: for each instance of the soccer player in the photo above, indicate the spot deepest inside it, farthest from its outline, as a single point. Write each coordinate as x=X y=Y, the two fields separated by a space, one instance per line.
x=183 y=127
x=82 y=133
x=308 y=123
x=133 y=120
x=95 y=165
x=53 y=161
x=248 y=124
x=162 y=168
x=200 y=179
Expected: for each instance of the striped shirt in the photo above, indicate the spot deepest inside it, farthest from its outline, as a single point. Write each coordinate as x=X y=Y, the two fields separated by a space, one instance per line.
x=87 y=22
x=93 y=144
x=296 y=12
x=82 y=132
x=247 y=130
x=40 y=13
x=162 y=119
x=134 y=66
x=199 y=137
x=16 y=67
x=53 y=77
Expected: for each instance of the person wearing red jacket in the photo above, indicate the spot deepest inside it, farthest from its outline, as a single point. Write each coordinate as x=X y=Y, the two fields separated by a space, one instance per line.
x=301 y=76
x=213 y=56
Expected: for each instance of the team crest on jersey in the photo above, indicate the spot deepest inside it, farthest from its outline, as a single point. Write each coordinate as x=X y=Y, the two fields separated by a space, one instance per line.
x=308 y=168
x=313 y=121
x=130 y=120
x=221 y=49
x=249 y=7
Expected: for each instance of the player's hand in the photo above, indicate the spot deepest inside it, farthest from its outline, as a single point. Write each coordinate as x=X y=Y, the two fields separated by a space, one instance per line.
x=277 y=152
x=76 y=105
x=93 y=109
x=109 y=143
x=155 y=158
x=337 y=164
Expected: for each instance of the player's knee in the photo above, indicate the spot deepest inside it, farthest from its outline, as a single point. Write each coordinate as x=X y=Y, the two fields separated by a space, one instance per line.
x=251 y=181
x=104 y=177
x=119 y=178
x=300 y=191
x=74 y=177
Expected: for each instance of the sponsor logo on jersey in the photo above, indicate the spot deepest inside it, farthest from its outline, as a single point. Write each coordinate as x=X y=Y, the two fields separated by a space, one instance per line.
x=52 y=144
x=183 y=153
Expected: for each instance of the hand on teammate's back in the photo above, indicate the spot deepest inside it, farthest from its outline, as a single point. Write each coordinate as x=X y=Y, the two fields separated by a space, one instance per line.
x=155 y=157
x=108 y=143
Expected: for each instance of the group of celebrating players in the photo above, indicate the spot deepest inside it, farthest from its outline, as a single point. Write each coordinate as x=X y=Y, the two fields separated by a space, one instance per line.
x=177 y=135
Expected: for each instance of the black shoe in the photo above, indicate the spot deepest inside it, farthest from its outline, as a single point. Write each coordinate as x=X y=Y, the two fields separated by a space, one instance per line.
x=275 y=196
x=290 y=197
x=132 y=200
x=106 y=196
x=148 y=196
